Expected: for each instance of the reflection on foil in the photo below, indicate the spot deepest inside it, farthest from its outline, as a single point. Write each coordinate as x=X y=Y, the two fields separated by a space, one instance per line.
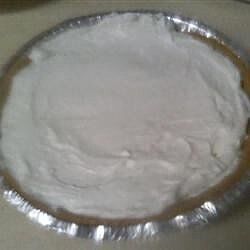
x=202 y=215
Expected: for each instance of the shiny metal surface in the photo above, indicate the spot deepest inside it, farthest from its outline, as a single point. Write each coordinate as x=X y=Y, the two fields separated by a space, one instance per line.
x=206 y=213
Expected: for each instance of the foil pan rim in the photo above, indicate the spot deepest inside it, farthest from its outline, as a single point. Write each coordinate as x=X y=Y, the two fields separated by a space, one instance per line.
x=206 y=213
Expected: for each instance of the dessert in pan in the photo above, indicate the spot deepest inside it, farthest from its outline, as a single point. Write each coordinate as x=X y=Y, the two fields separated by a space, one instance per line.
x=124 y=121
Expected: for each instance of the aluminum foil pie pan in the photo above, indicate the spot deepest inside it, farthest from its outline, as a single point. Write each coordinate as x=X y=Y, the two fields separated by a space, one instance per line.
x=204 y=214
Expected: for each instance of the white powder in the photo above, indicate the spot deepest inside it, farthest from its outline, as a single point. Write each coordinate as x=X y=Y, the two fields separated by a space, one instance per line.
x=122 y=119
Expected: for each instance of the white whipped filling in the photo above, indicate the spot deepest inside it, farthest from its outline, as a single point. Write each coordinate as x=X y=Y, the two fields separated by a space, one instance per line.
x=122 y=119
